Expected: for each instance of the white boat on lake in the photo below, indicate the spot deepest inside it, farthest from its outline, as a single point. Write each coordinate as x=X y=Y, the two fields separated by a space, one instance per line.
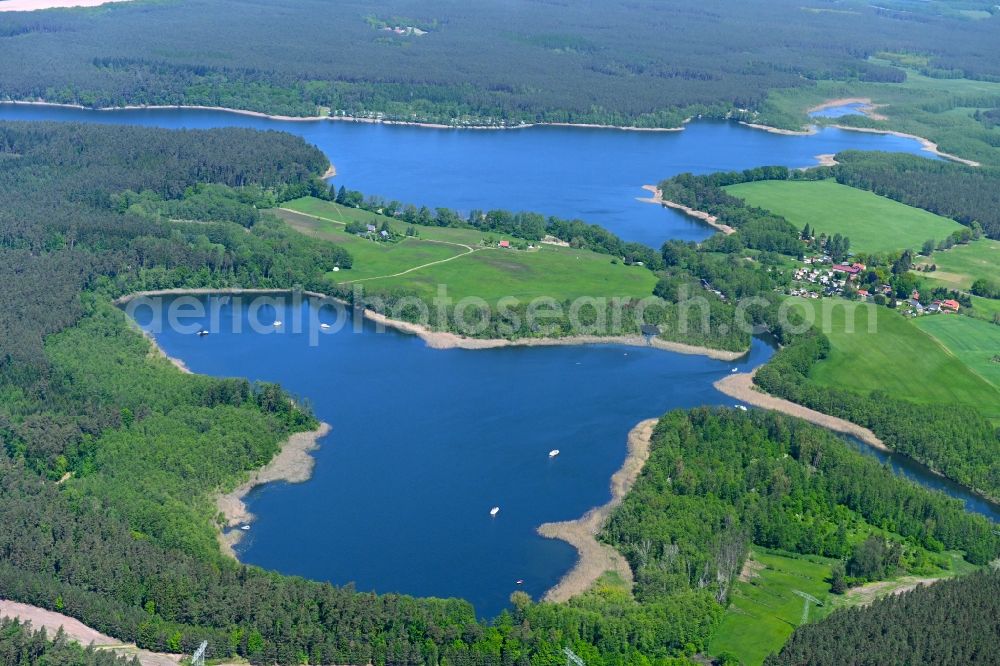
x=494 y=511
x=277 y=324
x=553 y=453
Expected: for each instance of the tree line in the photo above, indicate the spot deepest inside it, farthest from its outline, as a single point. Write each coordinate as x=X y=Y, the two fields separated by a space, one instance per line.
x=619 y=63
x=528 y=226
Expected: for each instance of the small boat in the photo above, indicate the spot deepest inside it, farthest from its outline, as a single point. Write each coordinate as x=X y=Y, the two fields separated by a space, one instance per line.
x=245 y=528
x=277 y=324
x=324 y=325
x=494 y=511
x=202 y=333
x=519 y=581
x=553 y=453
x=735 y=370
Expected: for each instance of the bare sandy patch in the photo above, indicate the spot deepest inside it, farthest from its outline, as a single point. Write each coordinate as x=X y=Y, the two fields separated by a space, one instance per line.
x=34 y=5
x=826 y=160
x=741 y=387
x=595 y=557
x=51 y=621
x=777 y=130
x=869 y=592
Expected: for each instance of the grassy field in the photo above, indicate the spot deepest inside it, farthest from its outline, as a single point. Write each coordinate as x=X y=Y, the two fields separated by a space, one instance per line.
x=767 y=603
x=976 y=343
x=458 y=259
x=766 y=608
x=898 y=357
x=962 y=265
x=873 y=223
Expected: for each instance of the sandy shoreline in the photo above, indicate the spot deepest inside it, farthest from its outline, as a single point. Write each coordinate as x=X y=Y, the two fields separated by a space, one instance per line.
x=741 y=387
x=928 y=145
x=446 y=340
x=707 y=218
x=293 y=464
x=594 y=557
x=346 y=119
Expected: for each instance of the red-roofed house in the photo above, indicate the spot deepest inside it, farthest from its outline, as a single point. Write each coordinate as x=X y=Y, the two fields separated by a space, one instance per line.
x=950 y=305
x=504 y=243
x=851 y=269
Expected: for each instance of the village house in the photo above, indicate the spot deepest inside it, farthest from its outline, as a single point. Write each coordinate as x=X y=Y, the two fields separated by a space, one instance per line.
x=949 y=305
x=505 y=243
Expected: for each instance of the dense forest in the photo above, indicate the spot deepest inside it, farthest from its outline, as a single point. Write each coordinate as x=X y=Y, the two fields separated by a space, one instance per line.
x=952 y=622
x=21 y=645
x=640 y=63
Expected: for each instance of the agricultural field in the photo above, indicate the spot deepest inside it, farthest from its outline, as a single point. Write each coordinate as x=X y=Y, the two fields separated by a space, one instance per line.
x=898 y=357
x=962 y=265
x=976 y=343
x=873 y=223
x=459 y=259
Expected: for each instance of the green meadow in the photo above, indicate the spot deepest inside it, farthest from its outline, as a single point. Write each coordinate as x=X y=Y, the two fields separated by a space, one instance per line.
x=976 y=343
x=458 y=259
x=898 y=357
x=768 y=605
x=873 y=223
x=779 y=591
x=962 y=265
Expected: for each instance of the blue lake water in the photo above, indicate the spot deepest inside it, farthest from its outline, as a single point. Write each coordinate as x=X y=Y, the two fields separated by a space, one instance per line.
x=425 y=442
x=592 y=174
x=854 y=109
